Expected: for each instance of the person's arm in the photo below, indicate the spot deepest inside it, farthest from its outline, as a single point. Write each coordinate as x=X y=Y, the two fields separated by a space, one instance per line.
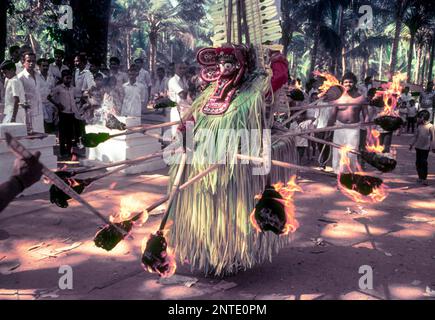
x=333 y=117
x=414 y=140
x=433 y=139
x=15 y=110
x=54 y=101
x=25 y=174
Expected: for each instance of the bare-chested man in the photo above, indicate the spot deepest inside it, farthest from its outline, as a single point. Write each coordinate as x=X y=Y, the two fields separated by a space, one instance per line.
x=348 y=115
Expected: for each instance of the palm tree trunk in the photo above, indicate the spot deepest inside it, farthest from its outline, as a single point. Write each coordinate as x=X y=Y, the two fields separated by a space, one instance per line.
x=395 y=49
x=423 y=68
x=410 y=56
x=417 y=68
x=287 y=34
x=128 y=48
x=153 y=51
x=91 y=25
x=339 y=62
x=381 y=53
x=432 y=56
x=3 y=26
x=314 y=50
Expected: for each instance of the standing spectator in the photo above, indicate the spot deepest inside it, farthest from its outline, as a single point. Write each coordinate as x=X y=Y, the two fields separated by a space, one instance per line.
x=427 y=100
x=14 y=94
x=145 y=79
x=63 y=97
x=84 y=81
x=15 y=56
x=424 y=140
x=366 y=86
x=133 y=95
x=47 y=83
x=32 y=82
x=160 y=85
x=56 y=68
x=121 y=77
x=322 y=117
x=403 y=103
x=177 y=92
x=412 y=113
x=302 y=123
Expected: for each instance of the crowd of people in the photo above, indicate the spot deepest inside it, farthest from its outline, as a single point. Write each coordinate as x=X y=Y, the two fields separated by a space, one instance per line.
x=53 y=96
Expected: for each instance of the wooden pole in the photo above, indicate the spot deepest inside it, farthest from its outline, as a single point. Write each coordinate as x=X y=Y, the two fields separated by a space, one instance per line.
x=332 y=144
x=326 y=129
x=230 y=21
x=284 y=165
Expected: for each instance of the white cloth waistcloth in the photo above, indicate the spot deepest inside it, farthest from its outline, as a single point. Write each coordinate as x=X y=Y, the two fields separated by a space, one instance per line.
x=345 y=137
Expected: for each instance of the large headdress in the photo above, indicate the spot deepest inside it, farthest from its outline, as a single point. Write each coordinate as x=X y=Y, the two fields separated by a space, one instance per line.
x=252 y=22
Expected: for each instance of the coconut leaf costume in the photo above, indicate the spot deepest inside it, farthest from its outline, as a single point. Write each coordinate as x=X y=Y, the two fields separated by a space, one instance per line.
x=211 y=227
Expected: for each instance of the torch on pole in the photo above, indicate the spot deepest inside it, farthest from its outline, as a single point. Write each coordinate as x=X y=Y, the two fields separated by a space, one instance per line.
x=21 y=151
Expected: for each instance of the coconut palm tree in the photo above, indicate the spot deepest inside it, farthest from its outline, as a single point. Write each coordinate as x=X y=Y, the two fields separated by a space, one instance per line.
x=416 y=18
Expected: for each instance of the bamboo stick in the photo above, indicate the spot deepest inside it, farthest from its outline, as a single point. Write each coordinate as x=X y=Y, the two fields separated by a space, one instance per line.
x=21 y=151
x=319 y=106
x=174 y=191
x=184 y=186
x=332 y=144
x=297 y=114
x=143 y=129
x=284 y=164
x=326 y=129
x=119 y=163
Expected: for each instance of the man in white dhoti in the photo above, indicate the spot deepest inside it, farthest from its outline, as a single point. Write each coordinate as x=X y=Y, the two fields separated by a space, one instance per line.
x=348 y=115
x=32 y=82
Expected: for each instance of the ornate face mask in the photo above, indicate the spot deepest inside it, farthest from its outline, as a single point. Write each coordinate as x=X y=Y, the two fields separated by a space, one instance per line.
x=226 y=66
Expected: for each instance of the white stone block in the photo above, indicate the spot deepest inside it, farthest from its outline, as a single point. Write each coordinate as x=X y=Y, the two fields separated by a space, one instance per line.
x=7 y=158
x=15 y=129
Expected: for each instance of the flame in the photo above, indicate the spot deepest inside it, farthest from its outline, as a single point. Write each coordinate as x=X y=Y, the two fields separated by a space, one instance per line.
x=252 y=218
x=378 y=194
x=128 y=208
x=287 y=192
x=391 y=93
x=298 y=86
x=373 y=144
x=328 y=83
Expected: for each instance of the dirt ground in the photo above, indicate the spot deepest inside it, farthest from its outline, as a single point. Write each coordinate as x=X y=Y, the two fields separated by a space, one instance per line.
x=336 y=237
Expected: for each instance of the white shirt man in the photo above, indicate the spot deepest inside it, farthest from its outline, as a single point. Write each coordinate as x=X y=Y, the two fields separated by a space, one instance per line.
x=84 y=80
x=134 y=94
x=55 y=72
x=47 y=85
x=145 y=79
x=65 y=96
x=160 y=87
x=14 y=88
x=32 y=90
x=19 y=67
x=177 y=85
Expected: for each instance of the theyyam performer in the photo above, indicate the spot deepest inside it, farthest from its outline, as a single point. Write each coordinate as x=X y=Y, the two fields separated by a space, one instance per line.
x=212 y=227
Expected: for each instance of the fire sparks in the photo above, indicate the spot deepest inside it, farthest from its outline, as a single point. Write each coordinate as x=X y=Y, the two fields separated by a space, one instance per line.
x=373 y=144
x=391 y=93
x=330 y=81
x=358 y=186
x=270 y=217
x=128 y=209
